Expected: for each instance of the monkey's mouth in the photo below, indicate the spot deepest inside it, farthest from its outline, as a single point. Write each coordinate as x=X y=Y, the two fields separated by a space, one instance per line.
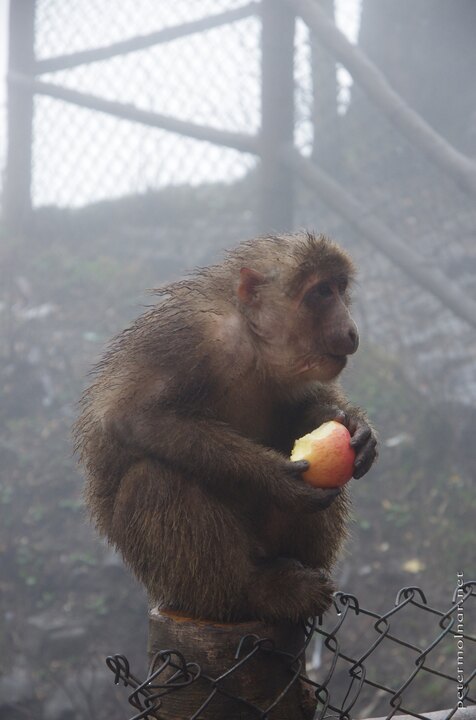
x=338 y=362
x=342 y=359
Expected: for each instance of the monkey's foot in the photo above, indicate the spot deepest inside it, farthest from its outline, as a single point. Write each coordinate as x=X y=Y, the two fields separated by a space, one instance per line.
x=283 y=589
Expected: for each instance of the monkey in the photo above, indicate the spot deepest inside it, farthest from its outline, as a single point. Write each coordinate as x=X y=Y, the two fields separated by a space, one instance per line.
x=186 y=430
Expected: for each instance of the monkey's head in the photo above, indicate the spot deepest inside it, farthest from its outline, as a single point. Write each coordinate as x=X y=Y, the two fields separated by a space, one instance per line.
x=294 y=294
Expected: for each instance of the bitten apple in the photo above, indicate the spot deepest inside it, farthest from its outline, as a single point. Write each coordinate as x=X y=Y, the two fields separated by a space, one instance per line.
x=329 y=453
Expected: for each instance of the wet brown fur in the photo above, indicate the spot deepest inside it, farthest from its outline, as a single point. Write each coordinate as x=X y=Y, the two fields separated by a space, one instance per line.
x=185 y=435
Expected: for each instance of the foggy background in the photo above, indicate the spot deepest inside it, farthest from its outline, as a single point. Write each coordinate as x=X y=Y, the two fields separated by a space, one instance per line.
x=113 y=208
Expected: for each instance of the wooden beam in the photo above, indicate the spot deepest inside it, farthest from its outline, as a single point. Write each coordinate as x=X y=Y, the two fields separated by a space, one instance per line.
x=464 y=713
x=65 y=62
x=277 y=115
x=378 y=89
x=17 y=190
x=126 y=111
x=383 y=238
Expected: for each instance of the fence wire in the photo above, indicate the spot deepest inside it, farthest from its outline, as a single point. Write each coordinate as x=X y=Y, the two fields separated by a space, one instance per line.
x=339 y=683
x=209 y=78
x=213 y=78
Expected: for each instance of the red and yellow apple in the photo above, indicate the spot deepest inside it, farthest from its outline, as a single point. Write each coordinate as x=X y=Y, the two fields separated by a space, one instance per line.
x=329 y=453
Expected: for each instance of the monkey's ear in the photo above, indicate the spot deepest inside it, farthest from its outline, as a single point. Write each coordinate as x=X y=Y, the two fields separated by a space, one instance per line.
x=250 y=280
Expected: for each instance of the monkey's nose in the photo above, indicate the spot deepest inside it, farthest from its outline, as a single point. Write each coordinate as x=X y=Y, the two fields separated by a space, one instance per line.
x=354 y=339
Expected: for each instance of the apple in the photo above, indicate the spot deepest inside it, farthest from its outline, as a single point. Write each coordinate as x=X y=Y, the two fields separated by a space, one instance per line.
x=330 y=454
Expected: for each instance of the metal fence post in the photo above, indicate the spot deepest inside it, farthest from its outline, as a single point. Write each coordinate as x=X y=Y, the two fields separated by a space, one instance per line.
x=277 y=115
x=21 y=59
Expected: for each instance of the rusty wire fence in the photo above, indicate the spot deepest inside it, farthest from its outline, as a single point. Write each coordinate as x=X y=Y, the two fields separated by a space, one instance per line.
x=352 y=676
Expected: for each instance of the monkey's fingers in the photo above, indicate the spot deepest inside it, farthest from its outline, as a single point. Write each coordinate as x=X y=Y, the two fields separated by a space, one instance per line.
x=315 y=499
x=347 y=420
x=360 y=437
x=365 y=457
x=327 y=496
x=340 y=416
x=297 y=495
x=299 y=466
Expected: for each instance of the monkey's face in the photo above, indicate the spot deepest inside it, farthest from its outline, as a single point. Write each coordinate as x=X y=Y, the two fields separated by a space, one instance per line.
x=327 y=334
x=310 y=337
x=302 y=338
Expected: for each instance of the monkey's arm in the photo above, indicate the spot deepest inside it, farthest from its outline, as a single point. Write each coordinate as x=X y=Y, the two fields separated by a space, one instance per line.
x=211 y=451
x=327 y=402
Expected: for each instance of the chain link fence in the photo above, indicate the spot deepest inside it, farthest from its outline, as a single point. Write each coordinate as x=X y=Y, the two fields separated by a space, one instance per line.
x=210 y=78
x=356 y=670
x=213 y=78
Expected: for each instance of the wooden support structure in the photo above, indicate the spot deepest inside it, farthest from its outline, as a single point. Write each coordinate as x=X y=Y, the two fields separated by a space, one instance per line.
x=374 y=83
x=324 y=98
x=126 y=111
x=384 y=239
x=142 y=42
x=277 y=115
x=257 y=682
x=463 y=713
x=21 y=59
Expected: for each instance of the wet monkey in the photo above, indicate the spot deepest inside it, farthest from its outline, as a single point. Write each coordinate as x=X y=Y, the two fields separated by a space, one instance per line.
x=186 y=430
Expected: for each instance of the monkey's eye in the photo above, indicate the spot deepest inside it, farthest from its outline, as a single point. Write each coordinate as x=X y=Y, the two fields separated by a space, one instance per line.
x=324 y=290
x=342 y=284
x=318 y=292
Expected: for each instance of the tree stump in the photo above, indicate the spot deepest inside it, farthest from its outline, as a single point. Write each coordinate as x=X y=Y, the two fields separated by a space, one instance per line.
x=240 y=674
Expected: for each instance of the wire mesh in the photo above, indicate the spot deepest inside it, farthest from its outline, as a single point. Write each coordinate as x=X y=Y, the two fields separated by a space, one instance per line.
x=213 y=77
x=394 y=182
x=210 y=78
x=347 y=677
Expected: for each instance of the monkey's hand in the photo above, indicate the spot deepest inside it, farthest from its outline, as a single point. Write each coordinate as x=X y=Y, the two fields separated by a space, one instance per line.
x=301 y=496
x=364 y=439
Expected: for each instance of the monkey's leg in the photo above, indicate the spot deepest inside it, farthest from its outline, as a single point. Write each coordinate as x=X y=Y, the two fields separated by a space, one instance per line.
x=193 y=553
x=315 y=540
x=283 y=589
x=188 y=549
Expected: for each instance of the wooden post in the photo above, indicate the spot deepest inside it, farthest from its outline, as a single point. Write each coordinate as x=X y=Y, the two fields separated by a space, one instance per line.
x=277 y=115
x=324 y=99
x=21 y=58
x=259 y=681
